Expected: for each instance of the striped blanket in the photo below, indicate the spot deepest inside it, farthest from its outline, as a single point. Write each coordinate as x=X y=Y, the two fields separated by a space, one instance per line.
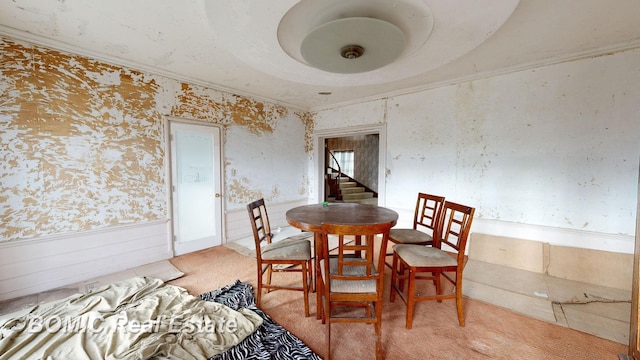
x=269 y=341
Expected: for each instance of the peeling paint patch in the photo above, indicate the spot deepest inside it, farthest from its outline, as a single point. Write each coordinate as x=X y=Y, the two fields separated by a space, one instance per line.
x=306 y=185
x=82 y=144
x=227 y=109
x=240 y=191
x=308 y=119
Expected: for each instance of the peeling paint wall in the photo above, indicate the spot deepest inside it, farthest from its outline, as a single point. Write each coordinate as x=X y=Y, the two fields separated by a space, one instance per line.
x=555 y=146
x=82 y=143
x=200 y=103
x=309 y=125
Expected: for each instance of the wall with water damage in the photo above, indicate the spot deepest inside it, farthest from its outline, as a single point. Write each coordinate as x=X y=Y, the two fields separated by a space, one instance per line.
x=83 y=143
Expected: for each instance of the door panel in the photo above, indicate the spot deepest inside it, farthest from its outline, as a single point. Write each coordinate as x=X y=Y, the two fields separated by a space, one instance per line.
x=196 y=187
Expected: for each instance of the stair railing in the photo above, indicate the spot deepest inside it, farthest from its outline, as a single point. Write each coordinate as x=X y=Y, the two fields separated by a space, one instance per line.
x=334 y=177
x=337 y=163
x=334 y=182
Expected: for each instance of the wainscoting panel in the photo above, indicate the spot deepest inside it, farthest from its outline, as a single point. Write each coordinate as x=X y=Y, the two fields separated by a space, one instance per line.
x=30 y=266
x=578 y=279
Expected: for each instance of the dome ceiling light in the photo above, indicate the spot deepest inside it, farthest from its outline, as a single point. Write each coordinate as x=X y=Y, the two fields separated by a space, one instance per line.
x=353 y=36
x=353 y=45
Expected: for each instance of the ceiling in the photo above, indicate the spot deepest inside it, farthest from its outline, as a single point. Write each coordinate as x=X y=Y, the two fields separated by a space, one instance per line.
x=245 y=47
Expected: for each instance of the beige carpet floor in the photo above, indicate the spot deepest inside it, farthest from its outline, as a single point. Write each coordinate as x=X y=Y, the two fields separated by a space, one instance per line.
x=490 y=333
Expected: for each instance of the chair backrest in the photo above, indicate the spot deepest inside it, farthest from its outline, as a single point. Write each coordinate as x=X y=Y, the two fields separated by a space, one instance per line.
x=366 y=240
x=454 y=227
x=428 y=211
x=259 y=223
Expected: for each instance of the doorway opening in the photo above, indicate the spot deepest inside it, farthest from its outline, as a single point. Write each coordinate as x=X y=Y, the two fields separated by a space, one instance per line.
x=351 y=165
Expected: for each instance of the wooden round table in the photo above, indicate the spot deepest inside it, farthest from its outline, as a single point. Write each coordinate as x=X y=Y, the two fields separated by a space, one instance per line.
x=311 y=217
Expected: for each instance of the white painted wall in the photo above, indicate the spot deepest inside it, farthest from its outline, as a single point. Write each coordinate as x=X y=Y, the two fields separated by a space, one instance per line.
x=272 y=165
x=555 y=147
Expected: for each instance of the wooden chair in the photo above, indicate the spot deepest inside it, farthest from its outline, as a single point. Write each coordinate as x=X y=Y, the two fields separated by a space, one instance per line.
x=425 y=218
x=288 y=255
x=350 y=281
x=445 y=258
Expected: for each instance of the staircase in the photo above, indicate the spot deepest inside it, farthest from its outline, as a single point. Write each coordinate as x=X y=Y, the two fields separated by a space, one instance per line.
x=352 y=193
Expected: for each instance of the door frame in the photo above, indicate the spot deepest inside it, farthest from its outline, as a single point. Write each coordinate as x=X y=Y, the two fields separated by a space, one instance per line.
x=319 y=166
x=169 y=182
x=634 y=326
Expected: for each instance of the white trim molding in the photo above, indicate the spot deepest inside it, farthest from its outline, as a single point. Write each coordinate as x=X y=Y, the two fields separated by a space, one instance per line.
x=556 y=236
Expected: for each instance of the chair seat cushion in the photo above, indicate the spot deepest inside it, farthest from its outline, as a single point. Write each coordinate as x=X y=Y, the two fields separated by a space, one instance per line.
x=349 y=286
x=288 y=249
x=423 y=256
x=290 y=232
x=409 y=236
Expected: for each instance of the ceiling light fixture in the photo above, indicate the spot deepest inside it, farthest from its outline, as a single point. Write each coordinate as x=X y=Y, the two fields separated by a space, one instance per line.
x=352 y=45
x=371 y=37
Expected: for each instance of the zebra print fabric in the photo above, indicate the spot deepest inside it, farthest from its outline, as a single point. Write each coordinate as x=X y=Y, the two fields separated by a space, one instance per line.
x=270 y=341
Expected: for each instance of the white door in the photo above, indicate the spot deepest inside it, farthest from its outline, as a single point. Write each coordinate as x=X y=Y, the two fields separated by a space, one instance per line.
x=195 y=187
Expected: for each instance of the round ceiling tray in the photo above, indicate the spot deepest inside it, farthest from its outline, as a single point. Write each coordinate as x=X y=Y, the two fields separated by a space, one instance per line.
x=436 y=32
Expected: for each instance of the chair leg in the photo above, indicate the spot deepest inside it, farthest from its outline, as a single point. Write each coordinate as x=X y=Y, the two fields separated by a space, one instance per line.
x=394 y=278
x=386 y=263
x=317 y=250
x=320 y=298
x=269 y=271
x=402 y=272
x=328 y=333
x=459 y=298
x=438 y=282
x=378 y=327
x=259 y=292
x=411 y=303
x=305 y=289
x=311 y=276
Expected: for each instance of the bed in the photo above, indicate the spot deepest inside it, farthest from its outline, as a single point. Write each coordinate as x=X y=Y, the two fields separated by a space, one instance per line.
x=145 y=318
